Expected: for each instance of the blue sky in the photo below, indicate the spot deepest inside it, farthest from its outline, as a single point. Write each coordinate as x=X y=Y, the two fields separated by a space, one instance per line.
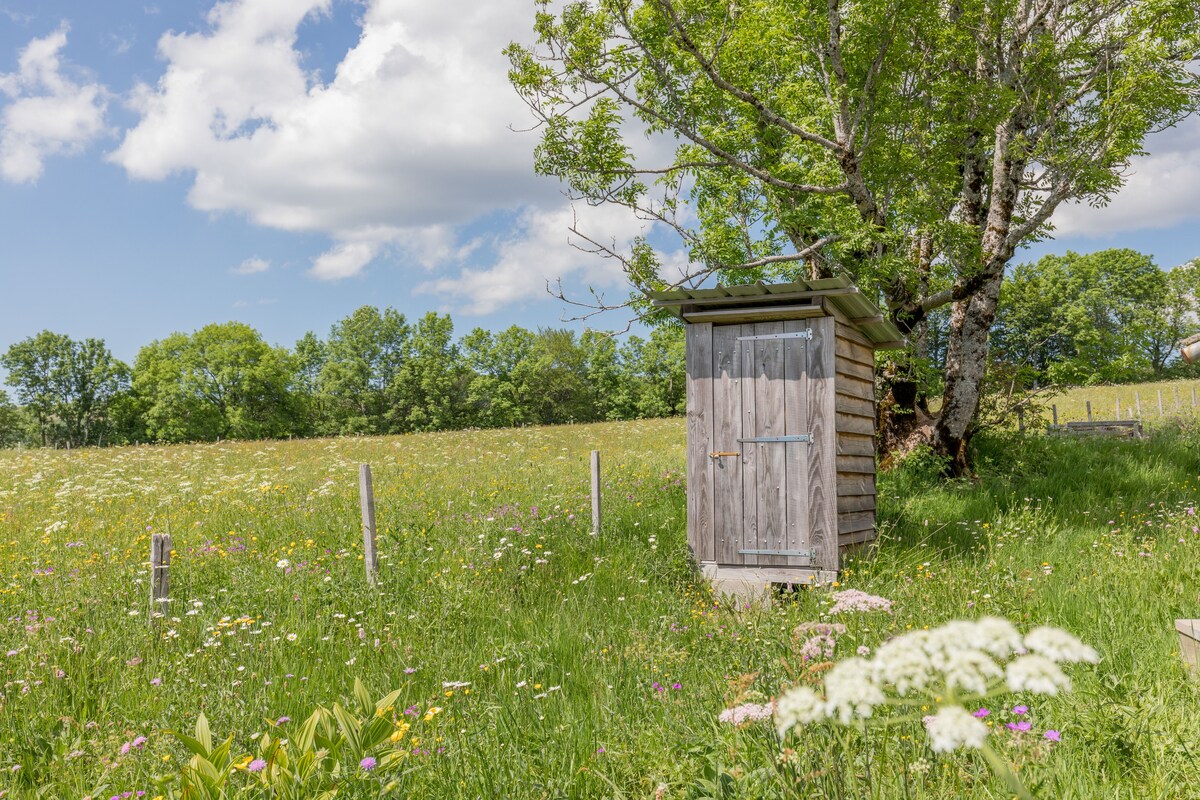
x=166 y=164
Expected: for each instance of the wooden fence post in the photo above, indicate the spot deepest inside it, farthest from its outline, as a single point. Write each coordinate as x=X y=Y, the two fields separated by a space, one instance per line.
x=596 y=492
x=1193 y=398
x=160 y=566
x=1137 y=399
x=366 y=496
x=1089 y=410
x=1160 y=411
x=1054 y=411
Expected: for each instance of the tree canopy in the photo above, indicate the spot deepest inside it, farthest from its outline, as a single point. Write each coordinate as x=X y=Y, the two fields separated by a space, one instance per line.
x=912 y=145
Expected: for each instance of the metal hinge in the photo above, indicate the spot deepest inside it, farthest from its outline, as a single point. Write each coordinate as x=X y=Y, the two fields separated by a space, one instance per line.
x=804 y=334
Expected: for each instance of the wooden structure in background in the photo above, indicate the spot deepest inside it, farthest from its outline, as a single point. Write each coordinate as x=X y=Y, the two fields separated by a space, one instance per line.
x=781 y=427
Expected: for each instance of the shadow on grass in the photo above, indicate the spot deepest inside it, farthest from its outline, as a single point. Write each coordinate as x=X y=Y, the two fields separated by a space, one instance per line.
x=1061 y=481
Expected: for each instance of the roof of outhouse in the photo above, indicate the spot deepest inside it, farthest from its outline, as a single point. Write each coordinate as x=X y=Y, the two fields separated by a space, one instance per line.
x=838 y=292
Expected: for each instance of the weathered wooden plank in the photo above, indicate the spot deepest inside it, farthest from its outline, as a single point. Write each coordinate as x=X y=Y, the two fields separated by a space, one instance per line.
x=848 y=386
x=854 y=335
x=766 y=575
x=727 y=429
x=854 y=405
x=847 y=367
x=699 y=436
x=856 y=464
x=772 y=475
x=852 y=423
x=822 y=476
x=857 y=537
x=727 y=316
x=1189 y=641
x=849 y=484
x=853 y=351
x=856 y=521
x=858 y=502
x=750 y=459
x=850 y=444
x=796 y=454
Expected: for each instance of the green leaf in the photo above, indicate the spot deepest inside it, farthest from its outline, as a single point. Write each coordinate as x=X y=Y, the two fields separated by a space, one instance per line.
x=363 y=697
x=203 y=734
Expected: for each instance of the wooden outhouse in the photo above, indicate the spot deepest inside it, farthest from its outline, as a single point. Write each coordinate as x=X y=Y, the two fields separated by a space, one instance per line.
x=780 y=427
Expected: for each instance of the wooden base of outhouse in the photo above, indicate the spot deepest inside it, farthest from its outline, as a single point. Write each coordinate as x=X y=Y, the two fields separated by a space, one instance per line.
x=754 y=583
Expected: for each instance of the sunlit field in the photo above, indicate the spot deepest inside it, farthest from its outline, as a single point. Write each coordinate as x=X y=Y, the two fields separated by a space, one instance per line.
x=535 y=660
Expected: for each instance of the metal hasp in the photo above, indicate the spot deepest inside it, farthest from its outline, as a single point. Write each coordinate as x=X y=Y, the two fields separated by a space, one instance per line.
x=794 y=553
x=800 y=437
x=804 y=334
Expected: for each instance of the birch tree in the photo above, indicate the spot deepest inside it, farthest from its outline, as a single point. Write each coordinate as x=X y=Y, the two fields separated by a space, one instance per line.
x=911 y=145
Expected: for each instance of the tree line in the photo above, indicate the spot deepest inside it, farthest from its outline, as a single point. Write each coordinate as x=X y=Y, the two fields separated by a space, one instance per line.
x=1106 y=317
x=375 y=373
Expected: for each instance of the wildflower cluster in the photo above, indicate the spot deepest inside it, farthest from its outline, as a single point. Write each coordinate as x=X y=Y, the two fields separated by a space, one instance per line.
x=959 y=662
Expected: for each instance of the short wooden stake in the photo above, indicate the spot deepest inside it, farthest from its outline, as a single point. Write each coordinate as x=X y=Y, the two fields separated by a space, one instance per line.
x=1137 y=398
x=1193 y=397
x=1054 y=411
x=596 y=492
x=366 y=496
x=1189 y=641
x=1160 y=411
x=160 y=567
x=1089 y=410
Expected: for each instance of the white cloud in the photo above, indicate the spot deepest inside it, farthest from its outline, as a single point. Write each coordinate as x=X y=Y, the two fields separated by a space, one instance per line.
x=407 y=141
x=1162 y=190
x=539 y=250
x=48 y=114
x=251 y=266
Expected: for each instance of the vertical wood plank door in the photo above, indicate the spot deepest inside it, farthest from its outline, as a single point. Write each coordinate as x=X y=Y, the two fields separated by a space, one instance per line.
x=760 y=465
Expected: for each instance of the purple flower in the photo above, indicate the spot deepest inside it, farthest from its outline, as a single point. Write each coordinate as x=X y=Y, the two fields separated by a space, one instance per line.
x=139 y=741
x=1023 y=725
x=981 y=713
x=282 y=720
x=257 y=765
x=367 y=763
x=1053 y=735
x=156 y=681
x=409 y=670
x=676 y=685
x=1019 y=710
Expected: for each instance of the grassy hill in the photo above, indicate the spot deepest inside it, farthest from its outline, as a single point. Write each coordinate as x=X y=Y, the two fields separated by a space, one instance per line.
x=535 y=660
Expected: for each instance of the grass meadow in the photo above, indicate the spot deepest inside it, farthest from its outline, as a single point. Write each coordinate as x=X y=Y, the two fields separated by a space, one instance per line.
x=535 y=660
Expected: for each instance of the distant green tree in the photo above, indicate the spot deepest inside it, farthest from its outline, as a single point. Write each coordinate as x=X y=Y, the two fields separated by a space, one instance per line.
x=494 y=398
x=553 y=380
x=1108 y=316
x=308 y=360
x=66 y=386
x=663 y=372
x=365 y=352
x=430 y=390
x=223 y=381
x=11 y=422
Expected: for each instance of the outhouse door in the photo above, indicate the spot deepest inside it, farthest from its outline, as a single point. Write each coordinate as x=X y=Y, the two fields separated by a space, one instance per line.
x=761 y=444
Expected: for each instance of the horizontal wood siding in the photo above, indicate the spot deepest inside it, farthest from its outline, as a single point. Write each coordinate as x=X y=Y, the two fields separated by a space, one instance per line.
x=855 y=408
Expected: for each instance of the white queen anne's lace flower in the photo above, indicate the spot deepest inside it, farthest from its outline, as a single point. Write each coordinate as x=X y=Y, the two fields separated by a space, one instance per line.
x=1059 y=646
x=1037 y=674
x=903 y=663
x=850 y=690
x=970 y=670
x=799 y=706
x=953 y=727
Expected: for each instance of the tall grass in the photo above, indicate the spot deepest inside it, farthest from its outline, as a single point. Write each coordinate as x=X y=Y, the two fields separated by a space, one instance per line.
x=597 y=665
